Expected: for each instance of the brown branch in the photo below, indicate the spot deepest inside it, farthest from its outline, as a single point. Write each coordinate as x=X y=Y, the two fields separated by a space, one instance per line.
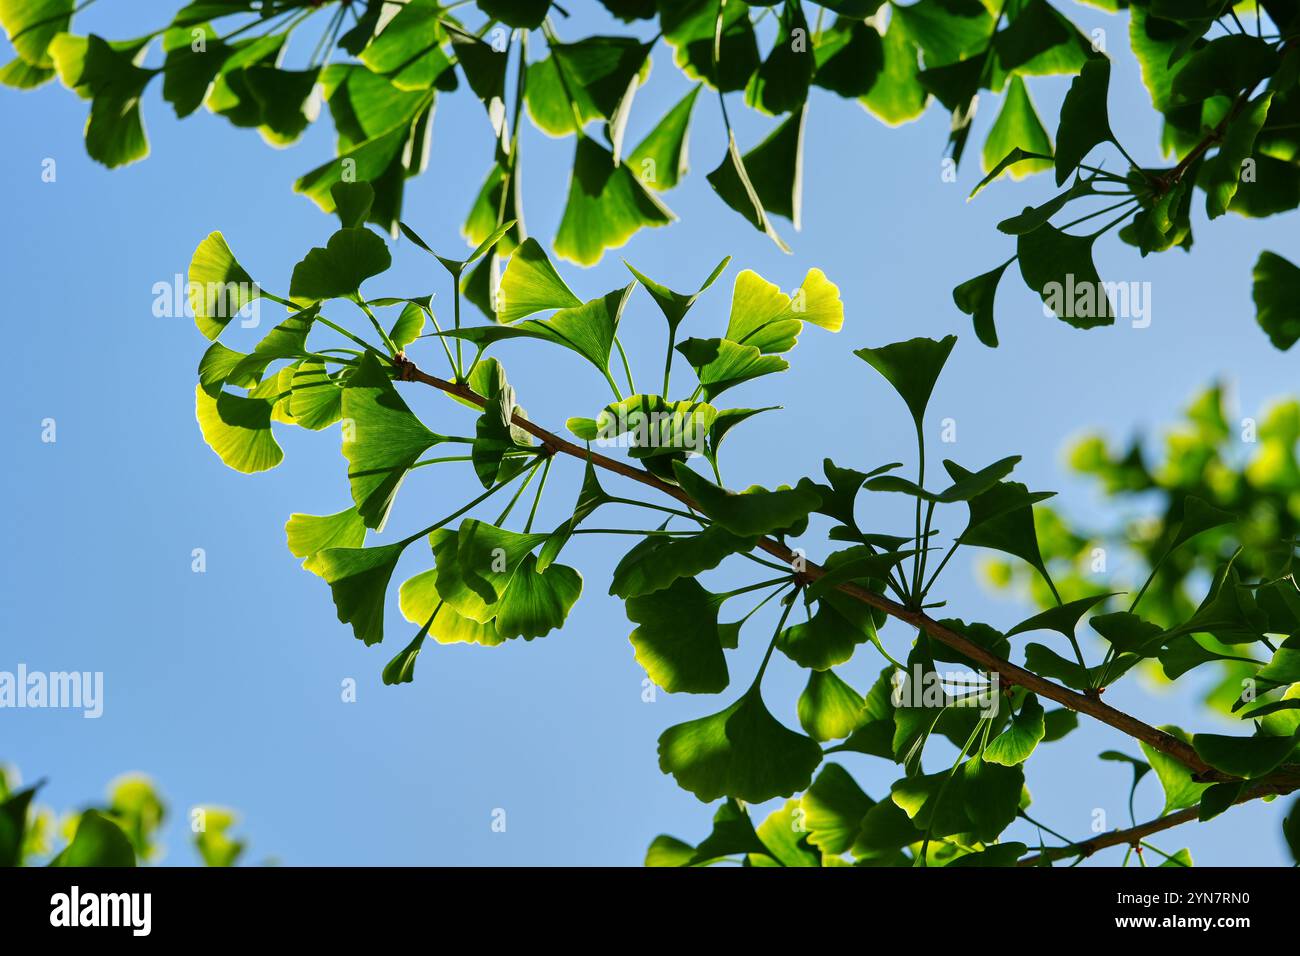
x=1009 y=673
x=1133 y=835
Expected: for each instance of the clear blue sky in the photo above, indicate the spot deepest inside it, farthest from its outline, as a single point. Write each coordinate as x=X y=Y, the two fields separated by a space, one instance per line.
x=225 y=686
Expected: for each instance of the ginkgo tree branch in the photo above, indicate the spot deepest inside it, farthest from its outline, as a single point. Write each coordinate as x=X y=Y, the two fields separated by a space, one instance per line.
x=1009 y=673
x=1132 y=836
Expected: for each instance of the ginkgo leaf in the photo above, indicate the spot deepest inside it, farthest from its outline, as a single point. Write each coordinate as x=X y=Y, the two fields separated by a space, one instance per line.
x=1015 y=744
x=766 y=318
x=531 y=284
x=829 y=709
x=1276 y=293
x=1249 y=757
x=754 y=511
x=780 y=85
x=976 y=296
x=660 y=560
x=675 y=305
x=721 y=364
x=912 y=367
x=351 y=256
x=1180 y=789
x=382 y=440
x=677 y=641
x=307 y=534
x=661 y=159
x=358 y=580
x=766 y=179
x=98 y=841
x=742 y=751
x=32 y=24
x=1059 y=267
x=238 y=429
x=607 y=205
x=219 y=288
x=833 y=808
x=1017 y=126
x=1085 y=119
x=897 y=96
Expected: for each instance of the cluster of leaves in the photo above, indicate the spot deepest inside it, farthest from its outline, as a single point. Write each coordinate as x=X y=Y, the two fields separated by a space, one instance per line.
x=1248 y=469
x=122 y=831
x=1226 y=99
x=1229 y=100
x=487 y=583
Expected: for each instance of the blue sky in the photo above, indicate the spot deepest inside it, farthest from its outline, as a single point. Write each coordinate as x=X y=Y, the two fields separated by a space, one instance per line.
x=225 y=686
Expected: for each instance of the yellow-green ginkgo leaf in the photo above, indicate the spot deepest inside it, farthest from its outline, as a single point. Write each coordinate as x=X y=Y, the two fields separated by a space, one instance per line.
x=307 y=534
x=218 y=287
x=238 y=429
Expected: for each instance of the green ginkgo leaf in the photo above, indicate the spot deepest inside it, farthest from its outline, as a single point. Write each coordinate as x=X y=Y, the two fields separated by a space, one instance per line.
x=1276 y=292
x=1017 y=127
x=352 y=202
x=829 y=709
x=1085 y=119
x=897 y=96
x=358 y=580
x=219 y=288
x=607 y=205
x=660 y=560
x=721 y=364
x=850 y=57
x=976 y=296
x=766 y=180
x=188 y=72
x=675 y=305
x=98 y=841
x=676 y=640
x=754 y=511
x=536 y=603
x=110 y=76
x=382 y=440
x=531 y=284
x=912 y=367
x=419 y=598
x=780 y=85
x=1059 y=267
x=1175 y=777
x=1248 y=757
x=1063 y=618
x=1002 y=519
x=661 y=159
x=587 y=329
x=524 y=14
x=307 y=534
x=352 y=255
x=1015 y=744
x=830 y=637
x=690 y=28
x=486 y=558
x=742 y=752
x=833 y=808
